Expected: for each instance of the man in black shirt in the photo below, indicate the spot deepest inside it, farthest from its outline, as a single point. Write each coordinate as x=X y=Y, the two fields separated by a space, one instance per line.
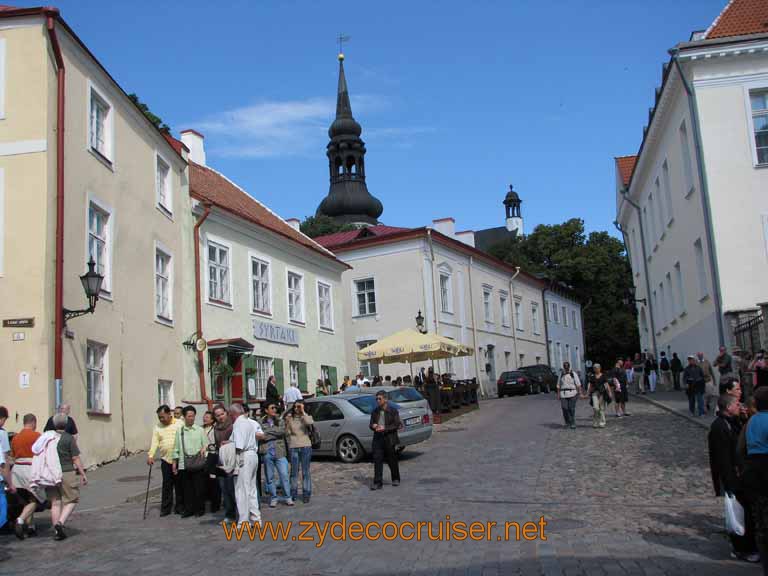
x=71 y=426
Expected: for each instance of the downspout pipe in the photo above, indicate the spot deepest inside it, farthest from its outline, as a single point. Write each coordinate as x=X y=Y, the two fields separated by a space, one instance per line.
x=514 y=317
x=546 y=324
x=435 y=321
x=474 y=330
x=199 y=305
x=705 y=200
x=649 y=300
x=58 y=307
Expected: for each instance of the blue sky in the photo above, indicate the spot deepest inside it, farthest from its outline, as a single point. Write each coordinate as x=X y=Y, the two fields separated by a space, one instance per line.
x=457 y=99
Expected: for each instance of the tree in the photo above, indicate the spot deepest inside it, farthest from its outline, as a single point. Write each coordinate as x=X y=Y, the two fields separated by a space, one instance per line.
x=156 y=120
x=596 y=268
x=320 y=225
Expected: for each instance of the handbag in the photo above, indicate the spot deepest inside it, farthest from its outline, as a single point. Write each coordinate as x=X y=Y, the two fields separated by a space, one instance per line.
x=314 y=437
x=734 y=515
x=192 y=463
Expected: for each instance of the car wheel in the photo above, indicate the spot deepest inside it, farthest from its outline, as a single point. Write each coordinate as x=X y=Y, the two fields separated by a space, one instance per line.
x=349 y=450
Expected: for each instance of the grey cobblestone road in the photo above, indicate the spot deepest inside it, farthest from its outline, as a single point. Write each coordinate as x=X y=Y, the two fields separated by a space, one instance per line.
x=634 y=498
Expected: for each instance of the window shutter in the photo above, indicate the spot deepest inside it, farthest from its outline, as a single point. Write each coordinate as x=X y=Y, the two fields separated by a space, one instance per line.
x=279 y=377
x=333 y=377
x=302 y=376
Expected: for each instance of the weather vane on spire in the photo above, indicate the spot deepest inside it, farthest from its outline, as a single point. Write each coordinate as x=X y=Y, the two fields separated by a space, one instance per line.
x=341 y=39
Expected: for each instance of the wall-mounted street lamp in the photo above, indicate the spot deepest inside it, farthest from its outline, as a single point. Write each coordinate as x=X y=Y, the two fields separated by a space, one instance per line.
x=630 y=300
x=91 y=281
x=420 y=323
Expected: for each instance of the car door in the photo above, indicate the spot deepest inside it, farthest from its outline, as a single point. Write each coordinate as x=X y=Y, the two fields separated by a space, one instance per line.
x=329 y=420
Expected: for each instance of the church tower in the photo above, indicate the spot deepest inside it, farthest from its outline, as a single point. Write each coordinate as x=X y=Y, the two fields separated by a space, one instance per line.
x=514 y=216
x=348 y=200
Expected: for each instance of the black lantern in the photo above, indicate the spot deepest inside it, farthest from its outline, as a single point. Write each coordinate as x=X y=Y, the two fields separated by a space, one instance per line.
x=630 y=300
x=420 y=323
x=91 y=282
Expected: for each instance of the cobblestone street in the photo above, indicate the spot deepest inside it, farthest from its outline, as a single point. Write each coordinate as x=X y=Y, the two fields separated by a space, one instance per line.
x=634 y=498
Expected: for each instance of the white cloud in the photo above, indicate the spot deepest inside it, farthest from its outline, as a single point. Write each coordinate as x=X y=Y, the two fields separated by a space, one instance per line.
x=287 y=128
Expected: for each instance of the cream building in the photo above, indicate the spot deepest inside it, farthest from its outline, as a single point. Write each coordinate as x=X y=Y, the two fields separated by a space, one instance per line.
x=125 y=201
x=462 y=292
x=270 y=298
x=692 y=202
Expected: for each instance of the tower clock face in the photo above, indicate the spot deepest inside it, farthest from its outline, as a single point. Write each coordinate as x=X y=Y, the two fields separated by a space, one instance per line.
x=515 y=225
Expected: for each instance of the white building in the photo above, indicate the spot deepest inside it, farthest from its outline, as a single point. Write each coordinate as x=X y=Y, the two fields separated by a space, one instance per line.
x=565 y=328
x=462 y=292
x=268 y=298
x=692 y=203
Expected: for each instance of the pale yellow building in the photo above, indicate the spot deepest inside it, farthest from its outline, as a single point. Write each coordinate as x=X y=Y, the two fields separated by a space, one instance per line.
x=125 y=201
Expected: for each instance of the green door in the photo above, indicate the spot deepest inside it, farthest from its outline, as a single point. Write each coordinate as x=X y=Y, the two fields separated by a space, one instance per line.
x=279 y=375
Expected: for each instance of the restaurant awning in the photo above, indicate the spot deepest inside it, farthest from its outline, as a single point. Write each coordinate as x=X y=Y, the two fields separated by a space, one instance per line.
x=232 y=344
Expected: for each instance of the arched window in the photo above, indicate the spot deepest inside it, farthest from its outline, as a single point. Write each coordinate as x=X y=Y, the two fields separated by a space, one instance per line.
x=339 y=166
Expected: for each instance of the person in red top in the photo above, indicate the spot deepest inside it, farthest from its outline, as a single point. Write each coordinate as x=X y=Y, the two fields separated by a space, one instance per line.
x=21 y=447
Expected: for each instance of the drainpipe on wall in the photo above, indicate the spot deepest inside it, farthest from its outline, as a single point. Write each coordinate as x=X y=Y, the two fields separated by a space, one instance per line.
x=649 y=301
x=58 y=307
x=199 y=305
x=546 y=325
x=514 y=317
x=705 y=202
x=475 y=352
x=432 y=272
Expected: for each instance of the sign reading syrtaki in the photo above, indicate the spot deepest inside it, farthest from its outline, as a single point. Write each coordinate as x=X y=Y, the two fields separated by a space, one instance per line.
x=275 y=333
x=19 y=323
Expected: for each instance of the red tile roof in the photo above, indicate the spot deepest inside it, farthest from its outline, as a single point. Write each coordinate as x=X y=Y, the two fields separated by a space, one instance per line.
x=740 y=18
x=207 y=185
x=177 y=145
x=626 y=166
x=340 y=238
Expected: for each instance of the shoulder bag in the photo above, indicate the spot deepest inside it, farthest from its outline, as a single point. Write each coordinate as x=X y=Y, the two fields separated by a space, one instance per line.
x=192 y=463
x=314 y=437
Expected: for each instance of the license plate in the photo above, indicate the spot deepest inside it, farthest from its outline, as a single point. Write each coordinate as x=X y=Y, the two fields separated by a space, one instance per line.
x=412 y=421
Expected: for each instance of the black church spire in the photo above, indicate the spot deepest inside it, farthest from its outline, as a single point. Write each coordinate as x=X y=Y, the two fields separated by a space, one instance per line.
x=348 y=199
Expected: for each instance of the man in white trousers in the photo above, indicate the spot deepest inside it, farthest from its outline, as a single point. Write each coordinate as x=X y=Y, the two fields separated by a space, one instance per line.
x=246 y=434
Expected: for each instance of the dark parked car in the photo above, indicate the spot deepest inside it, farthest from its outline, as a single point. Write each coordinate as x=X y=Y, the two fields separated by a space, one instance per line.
x=543 y=375
x=516 y=382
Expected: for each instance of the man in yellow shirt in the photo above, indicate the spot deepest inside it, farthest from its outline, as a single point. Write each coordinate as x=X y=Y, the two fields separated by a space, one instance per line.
x=164 y=439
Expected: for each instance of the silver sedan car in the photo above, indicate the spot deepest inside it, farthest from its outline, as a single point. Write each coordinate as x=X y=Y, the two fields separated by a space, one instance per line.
x=343 y=423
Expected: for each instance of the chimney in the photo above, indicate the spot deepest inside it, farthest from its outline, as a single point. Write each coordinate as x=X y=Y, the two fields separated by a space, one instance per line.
x=446 y=226
x=467 y=237
x=294 y=223
x=193 y=140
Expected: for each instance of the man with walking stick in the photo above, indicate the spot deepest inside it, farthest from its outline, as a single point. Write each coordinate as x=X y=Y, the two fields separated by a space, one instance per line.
x=164 y=439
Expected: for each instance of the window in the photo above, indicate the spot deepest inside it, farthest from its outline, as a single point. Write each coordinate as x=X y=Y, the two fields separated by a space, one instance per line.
x=555 y=317
x=663 y=313
x=559 y=352
x=759 y=103
x=565 y=316
x=163 y=285
x=506 y=358
x=218 y=273
x=701 y=269
x=667 y=189
x=680 y=290
x=327 y=411
x=100 y=125
x=671 y=305
x=655 y=311
x=504 y=306
x=165 y=393
x=546 y=311
x=519 y=316
x=535 y=318
x=96 y=375
x=687 y=161
x=261 y=280
x=365 y=291
x=487 y=306
x=368 y=369
x=100 y=243
x=295 y=297
x=648 y=227
x=577 y=354
x=163 y=186
x=637 y=252
x=568 y=354
x=324 y=306
x=660 y=209
x=298 y=372
x=262 y=369
x=446 y=304
x=551 y=352
x=573 y=320
x=520 y=360
x=449 y=365
x=652 y=220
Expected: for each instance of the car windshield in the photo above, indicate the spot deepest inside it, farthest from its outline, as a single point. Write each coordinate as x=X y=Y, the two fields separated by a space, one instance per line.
x=367 y=404
x=510 y=375
x=405 y=395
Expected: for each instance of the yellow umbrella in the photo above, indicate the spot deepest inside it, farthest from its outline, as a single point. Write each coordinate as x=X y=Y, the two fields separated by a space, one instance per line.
x=411 y=346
